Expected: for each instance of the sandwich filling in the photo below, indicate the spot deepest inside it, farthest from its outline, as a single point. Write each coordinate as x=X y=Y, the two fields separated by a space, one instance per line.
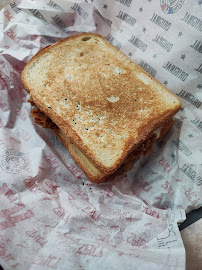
x=83 y=160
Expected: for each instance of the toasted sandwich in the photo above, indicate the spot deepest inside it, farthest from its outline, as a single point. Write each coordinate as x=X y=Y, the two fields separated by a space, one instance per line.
x=103 y=107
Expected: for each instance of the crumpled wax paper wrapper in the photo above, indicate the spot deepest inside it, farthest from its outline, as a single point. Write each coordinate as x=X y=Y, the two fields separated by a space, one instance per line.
x=51 y=216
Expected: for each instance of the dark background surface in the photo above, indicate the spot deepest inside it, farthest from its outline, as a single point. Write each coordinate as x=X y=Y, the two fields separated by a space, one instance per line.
x=192 y=217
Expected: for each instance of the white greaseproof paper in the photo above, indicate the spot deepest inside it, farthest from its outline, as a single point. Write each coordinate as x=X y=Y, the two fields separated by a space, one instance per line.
x=51 y=216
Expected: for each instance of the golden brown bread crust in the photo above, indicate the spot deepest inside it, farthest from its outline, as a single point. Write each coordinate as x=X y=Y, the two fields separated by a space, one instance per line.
x=131 y=142
x=94 y=178
x=143 y=149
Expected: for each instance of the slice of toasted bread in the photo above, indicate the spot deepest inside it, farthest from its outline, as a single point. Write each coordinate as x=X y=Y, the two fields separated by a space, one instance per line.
x=94 y=174
x=102 y=101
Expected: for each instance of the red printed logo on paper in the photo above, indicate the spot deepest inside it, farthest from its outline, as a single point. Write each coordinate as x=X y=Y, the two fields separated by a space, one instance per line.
x=150 y=212
x=135 y=240
x=9 y=214
x=14 y=161
x=167 y=186
x=171 y=6
x=50 y=261
x=11 y=219
x=163 y=162
x=8 y=15
x=90 y=210
x=37 y=237
x=192 y=196
x=90 y=250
